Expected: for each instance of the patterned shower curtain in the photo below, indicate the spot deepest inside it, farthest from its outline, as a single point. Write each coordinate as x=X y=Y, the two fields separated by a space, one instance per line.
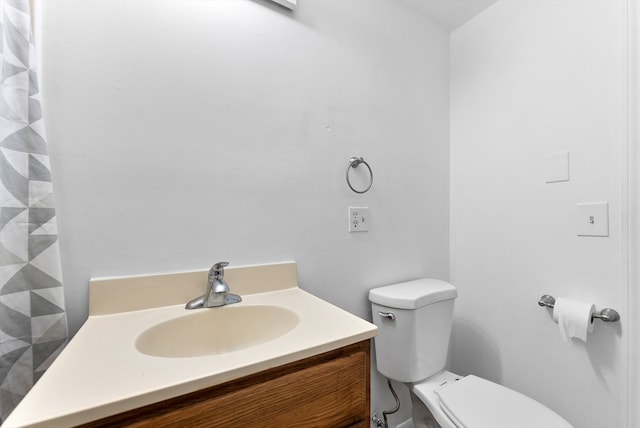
x=33 y=322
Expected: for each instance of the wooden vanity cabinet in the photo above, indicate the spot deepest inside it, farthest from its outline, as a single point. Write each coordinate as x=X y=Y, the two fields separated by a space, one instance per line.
x=328 y=390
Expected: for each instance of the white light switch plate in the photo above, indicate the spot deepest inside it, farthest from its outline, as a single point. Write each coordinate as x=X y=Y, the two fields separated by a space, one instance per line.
x=593 y=219
x=556 y=167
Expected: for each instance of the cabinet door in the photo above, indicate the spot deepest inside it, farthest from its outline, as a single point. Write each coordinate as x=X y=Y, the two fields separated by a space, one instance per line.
x=328 y=390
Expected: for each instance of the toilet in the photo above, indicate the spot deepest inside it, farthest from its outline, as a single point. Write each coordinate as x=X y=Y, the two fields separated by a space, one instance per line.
x=414 y=324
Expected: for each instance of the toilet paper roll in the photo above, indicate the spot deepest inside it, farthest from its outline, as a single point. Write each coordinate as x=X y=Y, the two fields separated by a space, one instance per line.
x=573 y=318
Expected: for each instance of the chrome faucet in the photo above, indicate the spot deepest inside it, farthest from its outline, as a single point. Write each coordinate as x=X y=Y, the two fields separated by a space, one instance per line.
x=217 y=290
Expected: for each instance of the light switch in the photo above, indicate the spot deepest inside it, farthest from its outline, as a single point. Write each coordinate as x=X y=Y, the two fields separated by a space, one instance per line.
x=593 y=219
x=556 y=167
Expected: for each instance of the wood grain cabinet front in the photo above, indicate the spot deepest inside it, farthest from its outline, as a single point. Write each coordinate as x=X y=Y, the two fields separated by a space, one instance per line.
x=329 y=390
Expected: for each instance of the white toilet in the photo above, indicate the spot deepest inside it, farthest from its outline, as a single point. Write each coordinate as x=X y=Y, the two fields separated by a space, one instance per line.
x=414 y=322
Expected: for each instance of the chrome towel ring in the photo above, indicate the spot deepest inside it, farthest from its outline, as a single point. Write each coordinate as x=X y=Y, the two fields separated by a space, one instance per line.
x=354 y=162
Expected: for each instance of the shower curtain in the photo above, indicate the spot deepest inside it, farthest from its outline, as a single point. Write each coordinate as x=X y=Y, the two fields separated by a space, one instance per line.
x=33 y=322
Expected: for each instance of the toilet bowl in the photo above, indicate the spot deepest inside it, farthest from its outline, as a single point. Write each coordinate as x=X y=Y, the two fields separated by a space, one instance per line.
x=414 y=324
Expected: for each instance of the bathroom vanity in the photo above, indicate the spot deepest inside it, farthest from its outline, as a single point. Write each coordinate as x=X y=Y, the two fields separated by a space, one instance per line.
x=327 y=390
x=281 y=357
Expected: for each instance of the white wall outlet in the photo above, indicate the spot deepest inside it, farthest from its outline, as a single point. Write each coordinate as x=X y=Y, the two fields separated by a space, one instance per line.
x=593 y=219
x=358 y=219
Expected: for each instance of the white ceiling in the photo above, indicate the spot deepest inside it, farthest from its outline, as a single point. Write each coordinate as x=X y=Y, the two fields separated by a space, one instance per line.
x=449 y=13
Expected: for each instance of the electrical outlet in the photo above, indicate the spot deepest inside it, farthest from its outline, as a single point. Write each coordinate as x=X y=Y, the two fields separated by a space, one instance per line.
x=358 y=219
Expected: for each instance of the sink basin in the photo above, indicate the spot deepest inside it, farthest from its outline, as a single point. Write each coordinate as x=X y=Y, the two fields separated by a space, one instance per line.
x=216 y=331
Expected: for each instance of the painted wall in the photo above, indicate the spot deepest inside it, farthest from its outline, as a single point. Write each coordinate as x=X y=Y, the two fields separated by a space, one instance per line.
x=634 y=202
x=188 y=132
x=531 y=78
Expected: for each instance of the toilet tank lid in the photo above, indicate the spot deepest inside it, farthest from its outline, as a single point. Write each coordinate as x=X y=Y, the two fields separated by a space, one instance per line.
x=413 y=294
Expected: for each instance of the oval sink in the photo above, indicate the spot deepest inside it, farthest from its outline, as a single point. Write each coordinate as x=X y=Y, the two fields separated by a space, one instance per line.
x=216 y=331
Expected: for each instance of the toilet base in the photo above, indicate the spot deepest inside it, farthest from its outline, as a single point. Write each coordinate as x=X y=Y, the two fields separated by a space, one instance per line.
x=427 y=405
x=422 y=417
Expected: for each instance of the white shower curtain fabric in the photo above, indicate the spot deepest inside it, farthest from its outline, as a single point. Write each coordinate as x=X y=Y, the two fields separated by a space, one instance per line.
x=33 y=322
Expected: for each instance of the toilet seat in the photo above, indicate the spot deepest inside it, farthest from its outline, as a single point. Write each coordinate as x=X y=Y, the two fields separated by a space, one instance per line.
x=473 y=402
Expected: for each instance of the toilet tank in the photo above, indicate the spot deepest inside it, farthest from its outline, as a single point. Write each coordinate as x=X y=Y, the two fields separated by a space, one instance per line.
x=414 y=324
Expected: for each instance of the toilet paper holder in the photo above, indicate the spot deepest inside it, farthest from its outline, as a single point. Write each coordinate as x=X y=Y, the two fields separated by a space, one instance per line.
x=606 y=315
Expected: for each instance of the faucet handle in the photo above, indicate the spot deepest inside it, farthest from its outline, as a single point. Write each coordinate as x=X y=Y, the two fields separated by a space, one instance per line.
x=217 y=270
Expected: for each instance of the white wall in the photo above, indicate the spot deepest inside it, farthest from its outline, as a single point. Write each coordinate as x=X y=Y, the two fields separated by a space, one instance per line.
x=187 y=132
x=634 y=216
x=530 y=78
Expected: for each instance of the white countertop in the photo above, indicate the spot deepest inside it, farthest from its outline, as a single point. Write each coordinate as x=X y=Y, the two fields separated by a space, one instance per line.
x=101 y=373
